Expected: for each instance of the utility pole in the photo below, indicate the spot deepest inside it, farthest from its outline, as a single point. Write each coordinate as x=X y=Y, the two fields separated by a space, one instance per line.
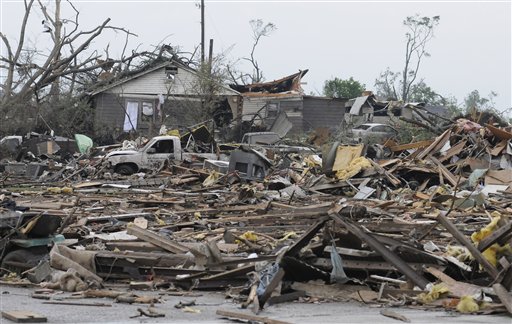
x=202 y=31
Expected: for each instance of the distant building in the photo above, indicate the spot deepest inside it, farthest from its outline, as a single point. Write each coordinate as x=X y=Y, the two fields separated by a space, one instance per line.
x=368 y=108
x=262 y=103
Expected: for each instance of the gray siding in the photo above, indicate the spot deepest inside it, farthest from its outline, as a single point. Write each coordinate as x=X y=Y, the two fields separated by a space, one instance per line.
x=109 y=111
x=323 y=112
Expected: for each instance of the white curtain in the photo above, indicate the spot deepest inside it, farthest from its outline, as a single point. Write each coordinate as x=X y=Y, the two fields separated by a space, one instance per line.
x=131 y=116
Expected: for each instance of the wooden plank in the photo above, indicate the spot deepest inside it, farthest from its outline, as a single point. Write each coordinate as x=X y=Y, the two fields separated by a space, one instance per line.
x=272 y=285
x=120 y=216
x=160 y=241
x=380 y=248
x=499 y=147
x=295 y=248
x=286 y=297
x=240 y=271
x=446 y=173
x=454 y=150
x=504 y=296
x=248 y=317
x=24 y=317
x=499 y=133
x=494 y=237
x=409 y=146
x=467 y=243
x=436 y=145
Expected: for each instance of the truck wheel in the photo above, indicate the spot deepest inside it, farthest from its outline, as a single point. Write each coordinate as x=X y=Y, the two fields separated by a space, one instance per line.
x=125 y=169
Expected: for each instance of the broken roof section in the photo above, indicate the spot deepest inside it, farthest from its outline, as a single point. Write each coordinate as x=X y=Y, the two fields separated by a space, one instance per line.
x=289 y=83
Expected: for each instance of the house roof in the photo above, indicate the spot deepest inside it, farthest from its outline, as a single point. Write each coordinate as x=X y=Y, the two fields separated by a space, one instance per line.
x=158 y=66
x=286 y=84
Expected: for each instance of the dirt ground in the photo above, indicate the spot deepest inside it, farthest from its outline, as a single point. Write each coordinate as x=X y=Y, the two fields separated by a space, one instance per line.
x=12 y=298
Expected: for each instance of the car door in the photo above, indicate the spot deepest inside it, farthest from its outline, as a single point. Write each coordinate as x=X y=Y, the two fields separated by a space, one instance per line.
x=390 y=131
x=159 y=152
x=378 y=131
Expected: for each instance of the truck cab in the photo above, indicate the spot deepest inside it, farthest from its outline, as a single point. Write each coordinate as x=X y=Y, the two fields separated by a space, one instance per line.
x=152 y=155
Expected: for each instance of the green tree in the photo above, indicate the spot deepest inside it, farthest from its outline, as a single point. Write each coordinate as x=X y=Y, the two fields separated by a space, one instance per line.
x=421 y=92
x=475 y=101
x=398 y=85
x=339 y=88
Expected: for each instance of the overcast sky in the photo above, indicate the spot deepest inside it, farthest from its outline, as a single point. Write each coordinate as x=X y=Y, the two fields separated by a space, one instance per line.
x=471 y=49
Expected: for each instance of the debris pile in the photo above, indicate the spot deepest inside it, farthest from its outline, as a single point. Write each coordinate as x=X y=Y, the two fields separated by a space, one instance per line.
x=422 y=225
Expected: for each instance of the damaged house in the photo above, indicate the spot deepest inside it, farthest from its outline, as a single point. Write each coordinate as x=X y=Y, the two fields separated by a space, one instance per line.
x=368 y=109
x=167 y=93
x=262 y=103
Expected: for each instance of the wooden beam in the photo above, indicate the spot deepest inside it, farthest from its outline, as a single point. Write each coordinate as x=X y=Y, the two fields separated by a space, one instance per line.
x=249 y=317
x=467 y=243
x=380 y=248
x=494 y=237
x=24 y=317
x=504 y=296
x=403 y=147
x=159 y=241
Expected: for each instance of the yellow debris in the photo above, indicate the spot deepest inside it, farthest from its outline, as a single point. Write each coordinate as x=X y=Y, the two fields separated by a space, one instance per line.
x=435 y=293
x=249 y=236
x=288 y=235
x=345 y=154
x=187 y=309
x=197 y=215
x=467 y=305
x=212 y=178
x=355 y=166
x=57 y=190
x=461 y=253
x=174 y=132
x=158 y=219
x=491 y=253
x=313 y=160
x=476 y=237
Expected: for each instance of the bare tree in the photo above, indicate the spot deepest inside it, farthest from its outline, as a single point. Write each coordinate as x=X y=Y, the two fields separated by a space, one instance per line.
x=27 y=76
x=398 y=85
x=259 y=30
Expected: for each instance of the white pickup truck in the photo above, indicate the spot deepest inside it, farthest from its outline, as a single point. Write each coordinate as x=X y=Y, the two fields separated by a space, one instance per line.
x=152 y=155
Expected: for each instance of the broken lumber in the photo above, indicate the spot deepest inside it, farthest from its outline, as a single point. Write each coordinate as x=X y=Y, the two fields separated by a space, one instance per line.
x=24 y=317
x=248 y=317
x=467 y=243
x=380 y=248
x=158 y=240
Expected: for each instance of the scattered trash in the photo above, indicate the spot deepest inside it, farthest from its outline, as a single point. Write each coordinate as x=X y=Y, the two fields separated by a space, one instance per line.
x=425 y=223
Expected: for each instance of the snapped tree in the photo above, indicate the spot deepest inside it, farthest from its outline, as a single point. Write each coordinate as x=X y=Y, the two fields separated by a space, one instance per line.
x=399 y=85
x=259 y=29
x=29 y=72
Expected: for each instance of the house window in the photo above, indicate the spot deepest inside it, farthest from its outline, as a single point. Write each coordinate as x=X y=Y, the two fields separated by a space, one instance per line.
x=272 y=109
x=131 y=116
x=170 y=73
x=242 y=167
x=258 y=172
x=147 y=111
